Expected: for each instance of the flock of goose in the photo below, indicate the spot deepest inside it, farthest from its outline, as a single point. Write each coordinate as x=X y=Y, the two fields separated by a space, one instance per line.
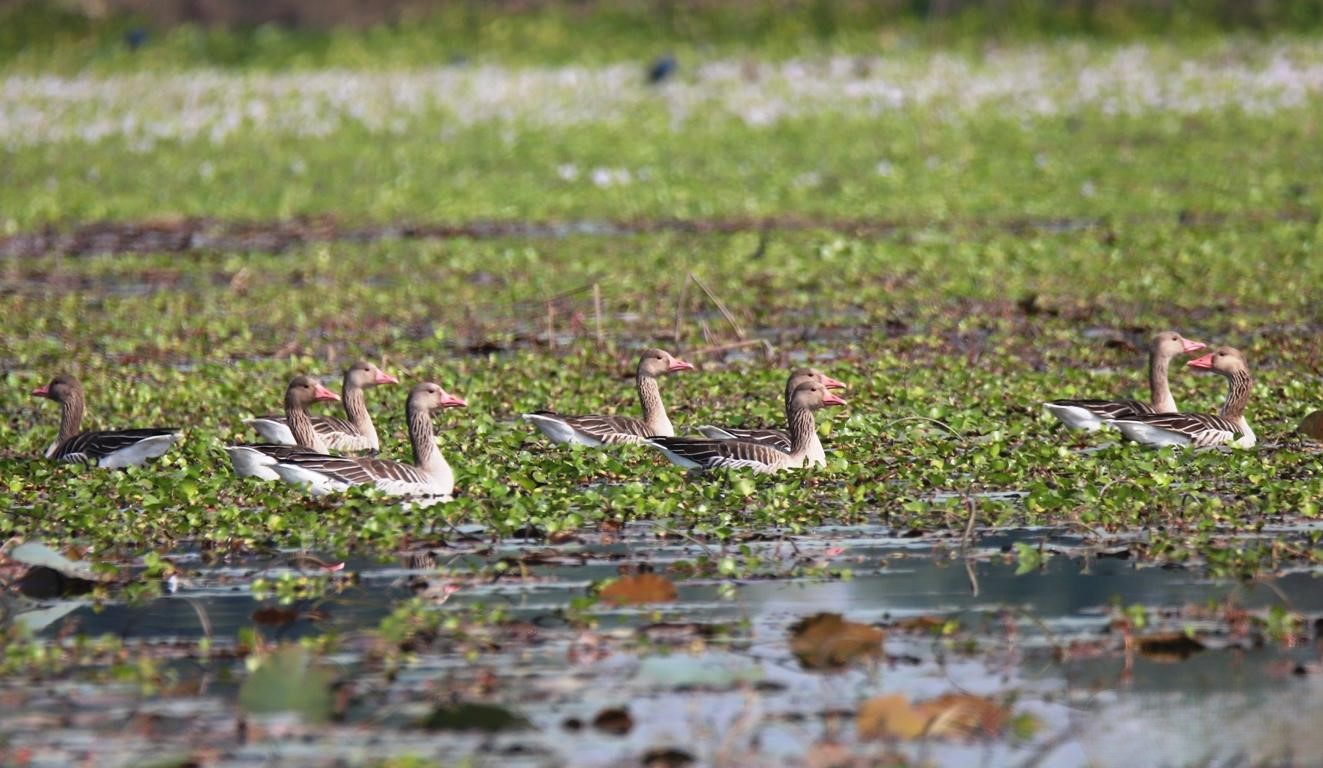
x=302 y=448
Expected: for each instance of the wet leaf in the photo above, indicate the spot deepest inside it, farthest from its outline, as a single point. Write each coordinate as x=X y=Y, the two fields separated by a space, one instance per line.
x=42 y=583
x=957 y=716
x=889 y=717
x=827 y=641
x=37 y=554
x=614 y=720
x=289 y=680
x=922 y=624
x=464 y=716
x=1168 y=646
x=667 y=758
x=273 y=616
x=640 y=589
x=1312 y=426
x=962 y=716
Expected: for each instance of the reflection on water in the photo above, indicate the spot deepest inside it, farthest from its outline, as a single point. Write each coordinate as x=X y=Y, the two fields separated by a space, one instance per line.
x=1020 y=635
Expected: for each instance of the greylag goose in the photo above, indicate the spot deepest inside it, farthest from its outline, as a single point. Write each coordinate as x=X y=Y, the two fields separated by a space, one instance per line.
x=1092 y=414
x=779 y=438
x=429 y=475
x=702 y=453
x=112 y=449
x=356 y=434
x=614 y=430
x=1202 y=430
x=257 y=460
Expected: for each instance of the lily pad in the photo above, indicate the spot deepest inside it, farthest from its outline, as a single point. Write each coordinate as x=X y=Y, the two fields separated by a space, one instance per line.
x=289 y=680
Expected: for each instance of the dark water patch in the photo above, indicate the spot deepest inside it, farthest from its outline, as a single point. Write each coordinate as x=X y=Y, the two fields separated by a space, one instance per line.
x=216 y=235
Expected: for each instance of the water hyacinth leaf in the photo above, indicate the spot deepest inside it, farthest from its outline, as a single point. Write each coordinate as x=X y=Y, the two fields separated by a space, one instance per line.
x=639 y=589
x=828 y=641
x=289 y=680
x=465 y=716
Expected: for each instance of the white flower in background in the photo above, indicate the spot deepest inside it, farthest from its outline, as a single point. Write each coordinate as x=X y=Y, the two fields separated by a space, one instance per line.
x=1025 y=82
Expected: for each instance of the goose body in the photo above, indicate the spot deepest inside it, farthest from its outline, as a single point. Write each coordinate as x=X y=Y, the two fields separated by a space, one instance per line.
x=618 y=430
x=430 y=475
x=1091 y=415
x=701 y=453
x=111 y=449
x=259 y=460
x=779 y=438
x=1199 y=429
x=354 y=434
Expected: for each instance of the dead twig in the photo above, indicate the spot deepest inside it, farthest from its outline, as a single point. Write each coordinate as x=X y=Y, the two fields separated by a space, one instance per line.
x=679 y=308
x=720 y=305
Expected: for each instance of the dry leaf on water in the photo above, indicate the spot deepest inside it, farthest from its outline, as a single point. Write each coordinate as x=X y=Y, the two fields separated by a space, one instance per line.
x=949 y=716
x=1168 y=647
x=615 y=721
x=636 y=590
x=1312 y=426
x=827 y=641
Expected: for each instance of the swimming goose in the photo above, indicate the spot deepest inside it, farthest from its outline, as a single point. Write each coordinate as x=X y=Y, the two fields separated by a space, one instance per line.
x=1200 y=429
x=429 y=475
x=257 y=460
x=1092 y=414
x=779 y=438
x=700 y=453
x=614 y=430
x=108 y=448
x=356 y=434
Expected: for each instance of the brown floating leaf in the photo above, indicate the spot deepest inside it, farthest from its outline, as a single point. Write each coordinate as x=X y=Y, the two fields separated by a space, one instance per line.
x=962 y=715
x=1168 y=646
x=667 y=758
x=1312 y=426
x=920 y=624
x=827 y=641
x=272 y=616
x=950 y=716
x=635 y=590
x=889 y=717
x=615 y=721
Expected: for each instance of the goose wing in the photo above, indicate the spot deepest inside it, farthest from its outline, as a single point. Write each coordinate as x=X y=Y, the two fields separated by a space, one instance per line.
x=713 y=454
x=607 y=430
x=88 y=447
x=776 y=438
x=1107 y=409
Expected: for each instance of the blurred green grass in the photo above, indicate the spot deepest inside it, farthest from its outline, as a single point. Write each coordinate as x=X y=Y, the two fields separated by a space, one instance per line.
x=50 y=36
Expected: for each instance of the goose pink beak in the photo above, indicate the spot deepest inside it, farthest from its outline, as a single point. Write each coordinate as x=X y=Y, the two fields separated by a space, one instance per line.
x=453 y=401
x=831 y=383
x=1203 y=363
x=830 y=399
x=43 y=391
x=381 y=377
x=678 y=365
x=1191 y=346
x=322 y=394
